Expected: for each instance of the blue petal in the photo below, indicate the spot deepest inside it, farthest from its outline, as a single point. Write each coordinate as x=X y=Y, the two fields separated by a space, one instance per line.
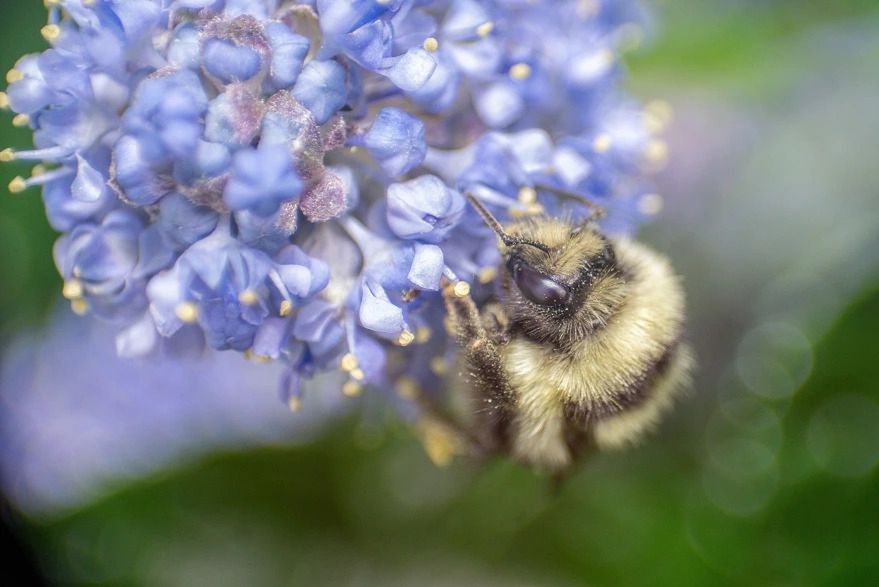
x=229 y=62
x=370 y=355
x=261 y=180
x=266 y=233
x=339 y=17
x=321 y=88
x=499 y=105
x=183 y=51
x=313 y=319
x=89 y=184
x=409 y=71
x=133 y=159
x=288 y=54
x=318 y=273
x=271 y=336
x=396 y=140
x=427 y=266
x=377 y=313
x=439 y=92
x=182 y=223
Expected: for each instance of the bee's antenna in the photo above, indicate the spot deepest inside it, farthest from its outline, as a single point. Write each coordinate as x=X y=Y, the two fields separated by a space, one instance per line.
x=495 y=225
x=596 y=210
x=490 y=220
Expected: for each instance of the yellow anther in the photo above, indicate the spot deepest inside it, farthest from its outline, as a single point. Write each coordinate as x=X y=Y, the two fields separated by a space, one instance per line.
x=256 y=358
x=348 y=363
x=52 y=3
x=431 y=44
x=51 y=32
x=187 y=312
x=17 y=185
x=485 y=28
x=14 y=75
x=20 y=120
x=520 y=71
x=438 y=366
x=462 y=289
x=407 y=387
x=39 y=169
x=656 y=152
x=248 y=297
x=79 y=306
x=601 y=143
x=4 y=100
x=294 y=403
x=405 y=338
x=527 y=194
x=72 y=289
x=422 y=334
x=357 y=374
x=487 y=274
x=7 y=155
x=439 y=444
x=650 y=204
x=286 y=308
x=351 y=388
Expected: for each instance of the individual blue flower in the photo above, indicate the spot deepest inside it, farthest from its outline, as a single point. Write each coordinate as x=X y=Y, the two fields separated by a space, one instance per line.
x=166 y=110
x=321 y=88
x=261 y=180
x=396 y=140
x=100 y=257
x=288 y=54
x=230 y=62
x=424 y=209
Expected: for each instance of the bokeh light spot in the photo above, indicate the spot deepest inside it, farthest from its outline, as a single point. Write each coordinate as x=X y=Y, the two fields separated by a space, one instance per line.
x=774 y=359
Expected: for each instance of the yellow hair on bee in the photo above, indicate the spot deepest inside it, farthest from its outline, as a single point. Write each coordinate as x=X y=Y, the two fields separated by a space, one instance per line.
x=596 y=373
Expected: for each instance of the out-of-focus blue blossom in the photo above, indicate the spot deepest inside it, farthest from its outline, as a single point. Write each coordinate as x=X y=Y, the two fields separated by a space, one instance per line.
x=261 y=180
x=78 y=421
x=287 y=179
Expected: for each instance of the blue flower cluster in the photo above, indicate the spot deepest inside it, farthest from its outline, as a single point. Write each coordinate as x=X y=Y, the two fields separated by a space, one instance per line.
x=286 y=179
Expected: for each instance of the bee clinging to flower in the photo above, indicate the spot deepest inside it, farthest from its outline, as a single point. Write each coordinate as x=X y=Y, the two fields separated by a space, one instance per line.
x=581 y=348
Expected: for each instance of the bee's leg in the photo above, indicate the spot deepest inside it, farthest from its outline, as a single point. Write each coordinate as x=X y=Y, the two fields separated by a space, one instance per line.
x=496 y=323
x=483 y=359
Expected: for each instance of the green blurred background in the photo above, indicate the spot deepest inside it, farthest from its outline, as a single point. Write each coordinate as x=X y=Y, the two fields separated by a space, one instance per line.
x=765 y=475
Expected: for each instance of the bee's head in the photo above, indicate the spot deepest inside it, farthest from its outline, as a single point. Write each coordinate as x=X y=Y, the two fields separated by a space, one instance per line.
x=562 y=280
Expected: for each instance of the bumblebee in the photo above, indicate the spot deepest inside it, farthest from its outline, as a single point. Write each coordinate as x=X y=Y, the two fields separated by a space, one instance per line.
x=581 y=349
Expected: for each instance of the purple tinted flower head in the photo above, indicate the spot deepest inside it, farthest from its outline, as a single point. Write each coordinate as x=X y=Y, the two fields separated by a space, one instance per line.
x=288 y=179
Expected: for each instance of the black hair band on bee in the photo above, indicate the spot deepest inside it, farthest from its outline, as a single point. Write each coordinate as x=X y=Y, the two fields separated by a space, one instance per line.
x=495 y=225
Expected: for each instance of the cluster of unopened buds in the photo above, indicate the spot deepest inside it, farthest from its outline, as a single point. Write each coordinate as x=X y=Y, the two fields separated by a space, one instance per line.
x=287 y=179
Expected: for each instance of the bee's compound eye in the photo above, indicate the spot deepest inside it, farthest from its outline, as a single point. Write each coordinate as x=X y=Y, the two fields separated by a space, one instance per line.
x=537 y=287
